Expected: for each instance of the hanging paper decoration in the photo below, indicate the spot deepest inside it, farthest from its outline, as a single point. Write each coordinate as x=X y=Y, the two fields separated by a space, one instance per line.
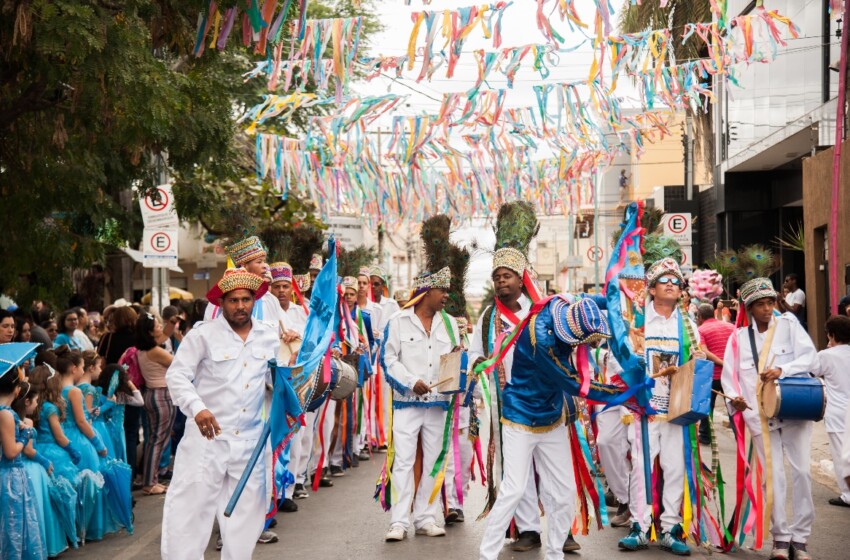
x=259 y=25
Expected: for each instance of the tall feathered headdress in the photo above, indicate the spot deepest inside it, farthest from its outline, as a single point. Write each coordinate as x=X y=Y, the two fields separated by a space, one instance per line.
x=440 y=252
x=295 y=244
x=516 y=226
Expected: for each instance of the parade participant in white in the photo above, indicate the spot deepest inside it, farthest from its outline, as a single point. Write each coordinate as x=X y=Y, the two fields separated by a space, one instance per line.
x=832 y=366
x=415 y=340
x=218 y=379
x=613 y=441
x=294 y=319
x=664 y=323
x=792 y=354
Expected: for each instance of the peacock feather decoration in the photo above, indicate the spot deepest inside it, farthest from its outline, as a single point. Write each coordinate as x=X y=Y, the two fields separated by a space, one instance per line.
x=658 y=247
x=753 y=261
x=440 y=252
x=516 y=226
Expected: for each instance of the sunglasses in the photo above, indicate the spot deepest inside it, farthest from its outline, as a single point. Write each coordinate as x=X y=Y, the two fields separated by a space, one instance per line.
x=668 y=280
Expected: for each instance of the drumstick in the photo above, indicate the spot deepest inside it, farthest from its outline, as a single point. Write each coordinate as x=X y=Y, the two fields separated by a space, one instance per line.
x=727 y=397
x=438 y=383
x=666 y=371
x=770 y=363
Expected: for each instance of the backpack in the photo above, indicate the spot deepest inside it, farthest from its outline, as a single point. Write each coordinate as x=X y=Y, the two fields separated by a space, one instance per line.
x=130 y=359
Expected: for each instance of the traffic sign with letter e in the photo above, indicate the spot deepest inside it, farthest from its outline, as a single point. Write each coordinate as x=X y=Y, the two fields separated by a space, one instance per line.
x=679 y=227
x=159 y=247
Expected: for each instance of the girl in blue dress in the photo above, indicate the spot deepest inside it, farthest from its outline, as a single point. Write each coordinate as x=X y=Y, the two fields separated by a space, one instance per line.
x=20 y=538
x=92 y=515
x=118 y=391
x=54 y=446
x=39 y=470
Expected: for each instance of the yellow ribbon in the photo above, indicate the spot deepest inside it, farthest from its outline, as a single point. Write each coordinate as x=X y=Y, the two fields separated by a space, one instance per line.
x=768 y=509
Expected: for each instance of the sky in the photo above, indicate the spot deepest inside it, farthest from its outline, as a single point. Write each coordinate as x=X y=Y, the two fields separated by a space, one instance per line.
x=519 y=28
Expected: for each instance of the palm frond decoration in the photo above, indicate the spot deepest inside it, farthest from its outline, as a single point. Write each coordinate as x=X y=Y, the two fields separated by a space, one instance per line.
x=440 y=252
x=792 y=238
x=293 y=244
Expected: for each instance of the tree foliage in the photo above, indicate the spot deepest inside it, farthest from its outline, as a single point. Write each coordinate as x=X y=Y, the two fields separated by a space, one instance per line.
x=97 y=99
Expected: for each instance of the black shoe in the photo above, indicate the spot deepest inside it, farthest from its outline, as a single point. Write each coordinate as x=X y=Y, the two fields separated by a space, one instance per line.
x=288 y=506
x=165 y=475
x=355 y=461
x=527 y=540
x=571 y=545
x=705 y=440
x=136 y=486
x=273 y=523
x=300 y=492
x=337 y=471
x=838 y=502
x=460 y=518
x=325 y=482
x=610 y=499
x=451 y=516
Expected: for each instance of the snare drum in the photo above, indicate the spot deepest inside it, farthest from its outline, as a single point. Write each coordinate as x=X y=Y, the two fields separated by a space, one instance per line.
x=794 y=398
x=346 y=380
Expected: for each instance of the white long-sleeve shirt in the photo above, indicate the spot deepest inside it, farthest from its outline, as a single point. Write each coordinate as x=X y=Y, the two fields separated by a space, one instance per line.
x=794 y=354
x=832 y=366
x=294 y=318
x=389 y=308
x=476 y=347
x=215 y=369
x=663 y=346
x=409 y=355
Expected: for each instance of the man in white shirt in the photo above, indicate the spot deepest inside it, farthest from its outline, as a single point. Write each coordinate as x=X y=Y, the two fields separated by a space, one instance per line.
x=218 y=379
x=294 y=319
x=795 y=301
x=389 y=308
x=665 y=329
x=832 y=367
x=416 y=339
x=782 y=349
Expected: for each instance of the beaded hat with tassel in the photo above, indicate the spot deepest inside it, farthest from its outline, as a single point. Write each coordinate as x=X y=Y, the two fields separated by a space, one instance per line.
x=440 y=254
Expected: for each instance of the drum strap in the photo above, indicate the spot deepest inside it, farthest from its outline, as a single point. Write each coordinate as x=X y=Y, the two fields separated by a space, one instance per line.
x=765 y=431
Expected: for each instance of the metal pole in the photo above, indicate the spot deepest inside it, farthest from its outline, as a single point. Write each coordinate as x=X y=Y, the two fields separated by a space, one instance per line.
x=689 y=157
x=597 y=180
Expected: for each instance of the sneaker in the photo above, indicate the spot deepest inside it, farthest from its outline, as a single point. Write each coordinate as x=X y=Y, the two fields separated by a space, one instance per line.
x=636 y=540
x=571 y=545
x=364 y=455
x=272 y=523
x=839 y=501
x=451 y=516
x=218 y=544
x=355 y=461
x=460 y=518
x=526 y=541
x=431 y=530
x=623 y=517
x=267 y=537
x=336 y=472
x=673 y=541
x=781 y=550
x=396 y=533
x=300 y=492
x=610 y=499
x=800 y=552
x=288 y=506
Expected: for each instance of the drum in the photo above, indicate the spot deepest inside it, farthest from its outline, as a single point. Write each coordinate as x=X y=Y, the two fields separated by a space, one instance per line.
x=310 y=389
x=453 y=370
x=345 y=382
x=794 y=398
x=690 y=392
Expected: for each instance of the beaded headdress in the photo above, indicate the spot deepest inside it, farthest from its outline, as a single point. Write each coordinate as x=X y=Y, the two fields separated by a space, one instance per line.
x=316 y=262
x=756 y=289
x=237 y=279
x=579 y=323
x=281 y=272
x=663 y=267
x=246 y=250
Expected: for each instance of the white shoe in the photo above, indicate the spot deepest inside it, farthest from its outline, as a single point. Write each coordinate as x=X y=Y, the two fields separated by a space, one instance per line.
x=431 y=530
x=396 y=533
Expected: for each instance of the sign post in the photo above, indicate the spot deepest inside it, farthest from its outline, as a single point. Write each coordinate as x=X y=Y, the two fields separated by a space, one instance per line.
x=159 y=241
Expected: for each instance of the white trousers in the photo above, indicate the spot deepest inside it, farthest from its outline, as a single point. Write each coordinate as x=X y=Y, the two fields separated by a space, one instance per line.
x=836 y=442
x=793 y=441
x=666 y=442
x=305 y=448
x=613 y=444
x=465 y=451
x=326 y=428
x=294 y=456
x=551 y=455
x=408 y=425
x=205 y=476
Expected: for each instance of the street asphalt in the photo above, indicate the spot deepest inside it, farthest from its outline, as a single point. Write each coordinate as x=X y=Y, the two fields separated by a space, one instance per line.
x=344 y=522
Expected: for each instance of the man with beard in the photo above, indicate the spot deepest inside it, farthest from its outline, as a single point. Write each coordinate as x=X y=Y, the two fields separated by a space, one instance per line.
x=218 y=379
